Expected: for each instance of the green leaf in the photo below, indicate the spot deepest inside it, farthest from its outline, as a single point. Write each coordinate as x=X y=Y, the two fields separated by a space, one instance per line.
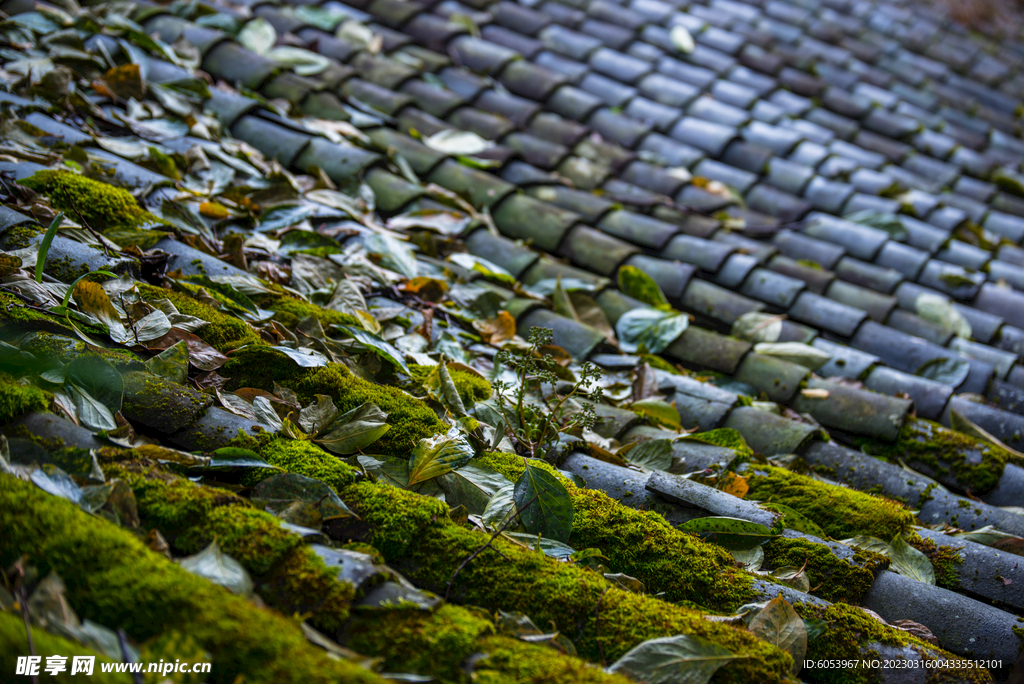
x=889 y=223
x=867 y=543
x=780 y=626
x=439 y=386
x=457 y=142
x=758 y=327
x=948 y=371
x=908 y=561
x=354 y=430
x=794 y=520
x=751 y=559
x=658 y=409
x=171 y=364
x=940 y=311
x=655 y=454
x=396 y=255
x=281 y=490
x=987 y=535
x=723 y=437
x=152 y=326
x=487 y=268
x=55 y=481
x=681 y=659
x=638 y=285
x=731 y=533
x=626 y=582
x=325 y=19
x=794 y=352
x=318 y=416
x=305 y=358
x=302 y=62
x=561 y=302
x=549 y=547
x=438 y=455
x=543 y=503
x=473 y=486
x=445 y=222
x=258 y=35
x=95 y=375
x=501 y=505
x=387 y=470
x=682 y=40
x=44 y=246
x=376 y=345
x=213 y=565
x=649 y=329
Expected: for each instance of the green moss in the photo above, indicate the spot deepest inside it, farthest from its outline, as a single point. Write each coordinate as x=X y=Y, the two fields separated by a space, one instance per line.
x=440 y=643
x=833 y=579
x=14 y=643
x=259 y=367
x=410 y=419
x=658 y=363
x=304 y=458
x=289 y=311
x=945 y=561
x=937 y=450
x=104 y=206
x=849 y=634
x=416 y=536
x=642 y=544
x=167 y=406
x=289 y=575
x=20 y=237
x=417 y=641
x=956 y=280
x=46 y=346
x=472 y=388
x=173 y=646
x=637 y=284
x=113 y=579
x=724 y=437
x=841 y=512
x=17 y=399
x=225 y=332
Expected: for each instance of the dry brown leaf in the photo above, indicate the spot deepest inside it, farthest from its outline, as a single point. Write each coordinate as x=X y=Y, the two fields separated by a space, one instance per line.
x=497 y=330
x=122 y=83
x=735 y=484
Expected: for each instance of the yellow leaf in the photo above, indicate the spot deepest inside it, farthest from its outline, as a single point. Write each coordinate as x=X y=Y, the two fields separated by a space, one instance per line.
x=92 y=299
x=213 y=210
x=735 y=484
x=815 y=393
x=429 y=289
x=497 y=330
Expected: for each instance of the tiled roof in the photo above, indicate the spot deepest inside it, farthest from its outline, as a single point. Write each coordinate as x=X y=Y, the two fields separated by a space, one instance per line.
x=851 y=167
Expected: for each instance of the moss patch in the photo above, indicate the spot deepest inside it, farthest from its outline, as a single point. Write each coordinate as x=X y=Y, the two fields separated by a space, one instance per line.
x=841 y=512
x=113 y=579
x=289 y=575
x=17 y=399
x=416 y=536
x=642 y=544
x=289 y=311
x=410 y=419
x=472 y=388
x=974 y=465
x=851 y=630
x=304 y=458
x=225 y=332
x=834 y=579
x=945 y=560
x=442 y=642
x=14 y=643
x=105 y=207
